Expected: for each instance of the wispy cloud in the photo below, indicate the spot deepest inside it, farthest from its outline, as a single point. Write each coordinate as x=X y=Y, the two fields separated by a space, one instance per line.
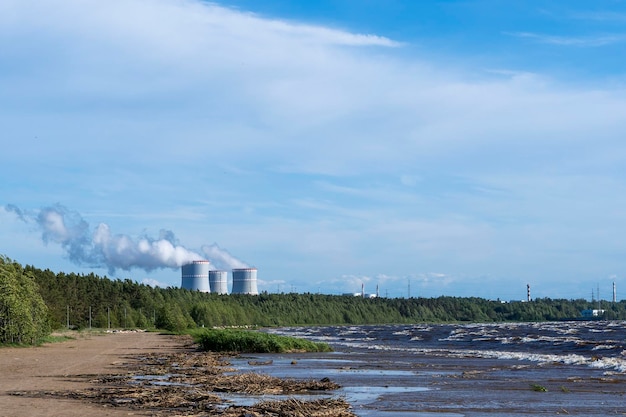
x=318 y=34
x=575 y=41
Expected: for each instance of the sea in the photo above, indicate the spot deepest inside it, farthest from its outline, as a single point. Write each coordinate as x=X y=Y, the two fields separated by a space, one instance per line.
x=455 y=370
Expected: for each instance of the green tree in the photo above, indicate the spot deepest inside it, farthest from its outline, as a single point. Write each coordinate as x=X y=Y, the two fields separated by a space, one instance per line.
x=23 y=313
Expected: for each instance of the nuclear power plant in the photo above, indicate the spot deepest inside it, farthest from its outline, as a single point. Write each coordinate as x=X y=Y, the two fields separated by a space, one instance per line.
x=244 y=281
x=196 y=276
x=217 y=281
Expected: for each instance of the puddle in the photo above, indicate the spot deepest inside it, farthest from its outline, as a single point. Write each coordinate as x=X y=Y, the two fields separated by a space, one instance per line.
x=160 y=380
x=370 y=372
x=369 y=394
x=354 y=395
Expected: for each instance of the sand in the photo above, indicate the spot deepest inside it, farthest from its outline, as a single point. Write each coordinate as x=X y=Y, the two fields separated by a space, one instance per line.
x=58 y=366
x=147 y=374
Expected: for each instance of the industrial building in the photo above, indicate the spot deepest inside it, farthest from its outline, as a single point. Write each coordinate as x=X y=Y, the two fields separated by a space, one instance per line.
x=195 y=276
x=244 y=281
x=218 y=281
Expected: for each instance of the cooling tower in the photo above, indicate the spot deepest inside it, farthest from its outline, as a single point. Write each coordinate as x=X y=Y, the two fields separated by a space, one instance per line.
x=244 y=281
x=196 y=276
x=217 y=281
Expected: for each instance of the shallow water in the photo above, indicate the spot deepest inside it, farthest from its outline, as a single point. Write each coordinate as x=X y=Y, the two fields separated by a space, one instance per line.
x=466 y=370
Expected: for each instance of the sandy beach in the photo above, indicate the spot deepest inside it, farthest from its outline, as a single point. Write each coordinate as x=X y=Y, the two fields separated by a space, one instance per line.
x=69 y=366
x=139 y=373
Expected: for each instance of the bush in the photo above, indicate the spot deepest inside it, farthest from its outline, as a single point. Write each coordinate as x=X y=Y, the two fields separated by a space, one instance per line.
x=249 y=341
x=23 y=313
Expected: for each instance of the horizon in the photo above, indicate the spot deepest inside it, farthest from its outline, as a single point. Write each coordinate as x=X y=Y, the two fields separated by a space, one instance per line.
x=468 y=148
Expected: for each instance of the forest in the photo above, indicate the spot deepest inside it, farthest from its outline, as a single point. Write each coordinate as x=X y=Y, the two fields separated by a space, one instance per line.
x=34 y=301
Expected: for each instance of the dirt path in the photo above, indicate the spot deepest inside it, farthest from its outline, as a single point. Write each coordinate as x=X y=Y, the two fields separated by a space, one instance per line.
x=55 y=367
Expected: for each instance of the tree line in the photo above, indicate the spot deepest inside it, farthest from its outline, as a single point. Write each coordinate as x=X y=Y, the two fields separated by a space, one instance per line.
x=33 y=301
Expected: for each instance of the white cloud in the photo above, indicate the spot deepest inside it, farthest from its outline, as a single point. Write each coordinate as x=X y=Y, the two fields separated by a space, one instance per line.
x=192 y=76
x=193 y=114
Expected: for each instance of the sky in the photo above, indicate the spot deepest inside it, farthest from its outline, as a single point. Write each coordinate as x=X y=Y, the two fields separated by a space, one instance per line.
x=443 y=147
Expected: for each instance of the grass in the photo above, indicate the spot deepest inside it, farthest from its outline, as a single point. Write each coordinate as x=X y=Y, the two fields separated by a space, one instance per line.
x=55 y=339
x=251 y=341
x=39 y=342
x=538 y=388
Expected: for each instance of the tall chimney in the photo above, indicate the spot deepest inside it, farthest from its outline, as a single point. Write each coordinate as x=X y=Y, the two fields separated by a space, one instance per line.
x=614 y=293
x=528 y=292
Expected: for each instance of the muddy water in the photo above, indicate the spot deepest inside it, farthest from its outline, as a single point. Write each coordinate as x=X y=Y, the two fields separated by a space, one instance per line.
x=570 y=368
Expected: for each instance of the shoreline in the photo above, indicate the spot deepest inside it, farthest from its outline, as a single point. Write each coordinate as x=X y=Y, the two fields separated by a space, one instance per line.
x=162 y=375
x=118 y=373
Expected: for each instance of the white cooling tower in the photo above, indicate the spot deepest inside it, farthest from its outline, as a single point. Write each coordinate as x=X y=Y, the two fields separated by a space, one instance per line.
x=195 y=276
x=244 y=281
x=217 y=282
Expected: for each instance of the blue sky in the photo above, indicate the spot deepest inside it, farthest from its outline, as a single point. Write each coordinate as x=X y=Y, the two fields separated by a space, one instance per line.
x=465 y=147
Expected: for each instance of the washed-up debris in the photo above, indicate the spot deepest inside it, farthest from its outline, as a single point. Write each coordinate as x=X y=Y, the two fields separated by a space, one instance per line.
x=190 y=384
x=293 y=408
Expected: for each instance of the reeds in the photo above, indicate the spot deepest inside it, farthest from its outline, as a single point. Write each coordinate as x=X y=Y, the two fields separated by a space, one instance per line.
x=250 y=341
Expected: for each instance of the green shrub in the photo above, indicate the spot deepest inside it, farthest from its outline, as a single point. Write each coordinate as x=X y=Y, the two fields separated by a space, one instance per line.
x=23 y=313
x=250 y=341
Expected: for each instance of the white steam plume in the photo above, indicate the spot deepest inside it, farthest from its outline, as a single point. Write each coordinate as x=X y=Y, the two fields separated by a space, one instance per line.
x=221 y=258
x=103 y=249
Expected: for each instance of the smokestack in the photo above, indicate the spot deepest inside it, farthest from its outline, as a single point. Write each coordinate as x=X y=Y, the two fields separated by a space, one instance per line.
x=363 y=290
x=528 y=292
x=614 y=293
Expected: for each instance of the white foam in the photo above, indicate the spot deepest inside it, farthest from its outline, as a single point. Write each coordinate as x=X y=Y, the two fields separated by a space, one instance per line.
x=606 y=347
x=610 y=363
x=617 y=364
